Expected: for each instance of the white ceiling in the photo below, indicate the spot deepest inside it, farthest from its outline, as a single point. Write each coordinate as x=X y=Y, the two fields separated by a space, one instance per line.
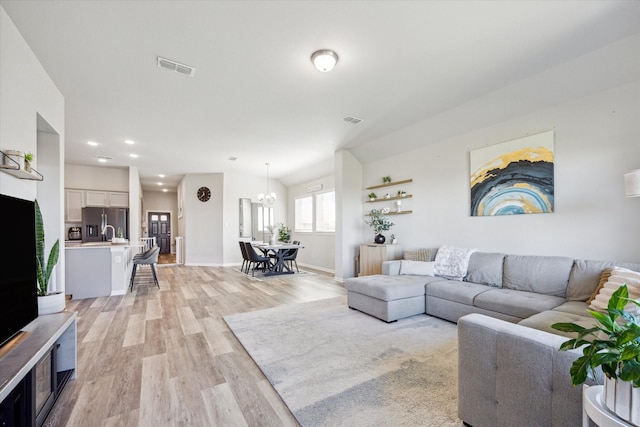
x=255 y=94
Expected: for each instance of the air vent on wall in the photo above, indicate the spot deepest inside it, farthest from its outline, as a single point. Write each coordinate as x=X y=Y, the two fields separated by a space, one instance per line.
x=353 y=120
x=176 y=66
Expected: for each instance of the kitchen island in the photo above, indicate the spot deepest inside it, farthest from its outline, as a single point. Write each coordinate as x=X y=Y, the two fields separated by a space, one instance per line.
x=98 y=269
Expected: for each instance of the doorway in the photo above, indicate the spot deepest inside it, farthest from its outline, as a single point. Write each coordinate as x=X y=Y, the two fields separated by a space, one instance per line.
x=160 y=228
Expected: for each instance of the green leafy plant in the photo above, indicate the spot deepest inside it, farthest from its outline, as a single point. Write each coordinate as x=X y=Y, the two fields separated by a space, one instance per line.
x=379 y=222
x=372 y=195
x=386 y=179
x=613 y=344
x=284 y=233
x=43 y=270
x=28 y=157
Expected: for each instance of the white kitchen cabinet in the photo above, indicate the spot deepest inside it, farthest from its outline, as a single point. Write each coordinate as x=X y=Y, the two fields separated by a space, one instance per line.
x=118 y=200
x=74 y=202
x=96 y=198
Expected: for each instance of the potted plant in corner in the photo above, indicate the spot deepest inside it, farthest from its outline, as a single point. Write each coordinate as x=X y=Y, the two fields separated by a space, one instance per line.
x=613 y=344
x=379 y=223
x=48 y=302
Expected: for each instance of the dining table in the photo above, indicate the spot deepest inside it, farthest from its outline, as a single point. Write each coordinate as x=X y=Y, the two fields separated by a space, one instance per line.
x=279 y=250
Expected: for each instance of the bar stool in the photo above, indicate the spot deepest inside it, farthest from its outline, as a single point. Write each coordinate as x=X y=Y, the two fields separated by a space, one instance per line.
x=150 y=258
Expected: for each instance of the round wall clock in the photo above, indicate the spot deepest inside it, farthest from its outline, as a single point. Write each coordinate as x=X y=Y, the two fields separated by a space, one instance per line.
x=204 y=194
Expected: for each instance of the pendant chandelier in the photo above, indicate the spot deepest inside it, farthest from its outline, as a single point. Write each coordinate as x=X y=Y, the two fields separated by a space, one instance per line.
x=267 y=200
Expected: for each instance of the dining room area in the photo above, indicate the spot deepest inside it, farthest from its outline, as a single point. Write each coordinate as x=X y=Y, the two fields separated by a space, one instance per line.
x=271 y=259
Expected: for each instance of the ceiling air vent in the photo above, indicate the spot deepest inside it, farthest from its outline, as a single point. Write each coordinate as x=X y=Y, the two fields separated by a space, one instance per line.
x=353 y=120
x=176 y=66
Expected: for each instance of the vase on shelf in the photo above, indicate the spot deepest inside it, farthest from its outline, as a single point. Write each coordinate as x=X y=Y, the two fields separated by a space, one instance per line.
x=379 y=239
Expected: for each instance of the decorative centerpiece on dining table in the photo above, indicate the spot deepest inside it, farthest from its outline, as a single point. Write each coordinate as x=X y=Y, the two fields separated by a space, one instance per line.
x=379 y=223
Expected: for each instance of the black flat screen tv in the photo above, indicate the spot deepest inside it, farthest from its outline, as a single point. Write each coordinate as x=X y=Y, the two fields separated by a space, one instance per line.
x=18 y=295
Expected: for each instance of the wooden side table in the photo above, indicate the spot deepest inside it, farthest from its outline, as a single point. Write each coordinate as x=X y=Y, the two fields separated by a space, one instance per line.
x=593 y=409
x=372 y=256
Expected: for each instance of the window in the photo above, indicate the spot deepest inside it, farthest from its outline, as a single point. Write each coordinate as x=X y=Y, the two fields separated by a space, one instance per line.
x=326 y=212
x=265 y=218
x=304 y=214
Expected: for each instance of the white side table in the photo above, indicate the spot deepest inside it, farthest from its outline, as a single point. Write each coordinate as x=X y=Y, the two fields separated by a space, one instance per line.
x=593 y=409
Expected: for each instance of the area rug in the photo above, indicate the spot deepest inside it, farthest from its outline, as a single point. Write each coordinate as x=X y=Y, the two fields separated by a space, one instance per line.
x=260 y=276
x=334 y=366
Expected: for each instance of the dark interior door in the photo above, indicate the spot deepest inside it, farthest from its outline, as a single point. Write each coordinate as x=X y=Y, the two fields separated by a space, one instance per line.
x=160 y=228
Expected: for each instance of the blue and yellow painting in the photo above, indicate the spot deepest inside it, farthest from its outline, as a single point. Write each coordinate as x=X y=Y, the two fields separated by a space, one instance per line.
x=512 y=178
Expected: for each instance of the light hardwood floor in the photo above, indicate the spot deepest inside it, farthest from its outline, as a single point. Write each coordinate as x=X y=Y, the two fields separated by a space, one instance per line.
x=165 y=357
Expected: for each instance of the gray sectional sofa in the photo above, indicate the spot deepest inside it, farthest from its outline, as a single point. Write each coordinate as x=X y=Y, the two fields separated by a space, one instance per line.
x=510 y=371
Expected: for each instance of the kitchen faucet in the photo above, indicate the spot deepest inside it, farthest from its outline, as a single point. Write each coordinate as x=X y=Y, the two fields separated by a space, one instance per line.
x=113 y=230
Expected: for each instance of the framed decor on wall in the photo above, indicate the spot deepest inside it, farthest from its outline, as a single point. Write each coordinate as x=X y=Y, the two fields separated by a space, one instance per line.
x=514 y=177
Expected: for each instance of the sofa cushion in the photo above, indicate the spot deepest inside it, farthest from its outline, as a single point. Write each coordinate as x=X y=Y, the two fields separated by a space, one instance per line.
x=520 y=304
x=618 y=277
x=585 y=276
x=485 y=268
x=419 y=268
x=452 y=262
x=578 y=308
x=420 y=254
x=604 y=277
x=543 y=321
x=453 y=290
x=547 y=275
x=388 y=288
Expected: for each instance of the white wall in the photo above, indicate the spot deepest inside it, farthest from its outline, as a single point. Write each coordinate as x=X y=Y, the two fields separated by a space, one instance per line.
x=96 y=178
x=26 y=93
x=349 y=211
x=596 y=142
x=319 y=248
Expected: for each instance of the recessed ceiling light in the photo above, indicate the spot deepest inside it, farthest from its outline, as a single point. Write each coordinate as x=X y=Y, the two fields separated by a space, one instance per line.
x=159 y=183
x=129 y=141
x=165 y=190
x=134 y=155
x=161 y=175
x=103 y=159
x=92 y=143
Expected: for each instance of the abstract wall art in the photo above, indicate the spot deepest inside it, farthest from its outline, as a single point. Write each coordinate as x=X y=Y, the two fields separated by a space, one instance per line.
x=514 y=177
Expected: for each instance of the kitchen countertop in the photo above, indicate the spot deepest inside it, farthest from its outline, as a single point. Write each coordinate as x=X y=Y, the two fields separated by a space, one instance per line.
x=71 y=244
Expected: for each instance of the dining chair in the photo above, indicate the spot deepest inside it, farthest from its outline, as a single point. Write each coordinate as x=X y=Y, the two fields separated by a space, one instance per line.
x=149 y=257
x=256 y=260
x=291 y=256
x=245 y=258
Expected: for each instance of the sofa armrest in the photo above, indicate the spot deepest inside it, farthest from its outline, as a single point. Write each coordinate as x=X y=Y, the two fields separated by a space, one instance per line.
x=510 y=375
x=391 y=268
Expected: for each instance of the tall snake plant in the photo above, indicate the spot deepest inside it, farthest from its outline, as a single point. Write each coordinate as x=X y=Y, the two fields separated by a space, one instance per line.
x=44 y=273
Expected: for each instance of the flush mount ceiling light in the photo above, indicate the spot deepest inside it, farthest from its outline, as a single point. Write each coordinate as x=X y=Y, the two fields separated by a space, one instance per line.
x=324 y=60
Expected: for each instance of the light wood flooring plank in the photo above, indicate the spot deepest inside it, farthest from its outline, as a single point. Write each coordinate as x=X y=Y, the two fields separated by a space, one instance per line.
x=164 y=357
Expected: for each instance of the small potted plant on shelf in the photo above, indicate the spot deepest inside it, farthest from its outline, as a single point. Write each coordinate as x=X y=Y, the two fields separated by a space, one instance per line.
x=48 y=302
x=402 y=193
x=28 y=158
x=379 y=223
x=372 y=196
x=386 y=179
x=613 y=344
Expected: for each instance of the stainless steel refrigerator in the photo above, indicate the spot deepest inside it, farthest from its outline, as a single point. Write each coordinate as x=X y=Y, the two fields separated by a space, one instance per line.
x=94 y=220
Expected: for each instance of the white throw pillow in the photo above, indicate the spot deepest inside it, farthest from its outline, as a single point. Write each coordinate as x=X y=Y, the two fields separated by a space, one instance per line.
x=619 y=276
x=418 y=268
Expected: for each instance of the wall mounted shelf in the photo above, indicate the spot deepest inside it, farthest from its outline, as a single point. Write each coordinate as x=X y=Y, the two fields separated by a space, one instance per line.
x=383 y=199
x=395 y=213
x=389 y=184
x=14 y=169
